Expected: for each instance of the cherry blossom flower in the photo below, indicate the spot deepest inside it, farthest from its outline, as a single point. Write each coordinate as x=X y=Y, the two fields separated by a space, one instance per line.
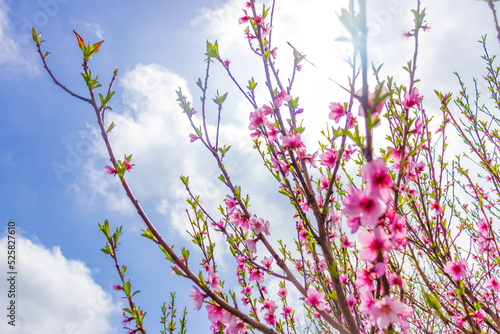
x=236 y=326
x=258 y=20
x=378 y=179
x=197 y=297
x=193 y=137
x=373 y=242
x=493 y=284
x=270 y=319
x=110 y=170
x=251 y=244
x=128 y=165
x=413 y=99
x=259 y=226
x=360 y=203
x=270 y=305
x=348 y=151
x=256 y=275
x=329 y=157
x=457 y=270
x=280 y=164
x=336 y=111
x=257 y=119
x=267 y=262
x=315 y=298
x=280 y=98
x=292 y=141
x=273 y=53
x=287 y=310
x=324 y=181
x=351 y=121
x=217 y=314
x=386 y=311
x=213 y=280
x=282 y=292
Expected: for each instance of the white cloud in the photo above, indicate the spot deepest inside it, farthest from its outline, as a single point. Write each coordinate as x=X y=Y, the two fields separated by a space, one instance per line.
x=96 y=28
x=12 y=56
x=54 y=294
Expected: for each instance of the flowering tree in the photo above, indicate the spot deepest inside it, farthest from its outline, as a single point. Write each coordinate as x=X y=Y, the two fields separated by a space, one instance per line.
x=383 y=244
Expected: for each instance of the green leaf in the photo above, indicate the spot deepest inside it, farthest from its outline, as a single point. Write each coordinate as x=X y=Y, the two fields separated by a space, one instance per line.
x=104 y=228
x=110 y=127
x=251 y=85
x=185 y=254
x=199 y=83
x=126 y=288
x=185 y=180
x=433 y=302
x=148 y=234
x=212 y=50
x=35 y=35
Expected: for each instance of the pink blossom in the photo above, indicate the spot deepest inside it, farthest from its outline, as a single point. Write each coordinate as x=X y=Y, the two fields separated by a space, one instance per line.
x=457 y=269
x=258 y=20
x=258 y=225
x=197 y=297
x=282 y=96
x=217 y=314
x=324 y=182
x=193 y=137
x=243 y=19
x=287 y=310
x=270 y=305
x=360 y=203
x=236 y=326
x=350 y=121
x=309 y=158
x=386 y=311
x=413 y=99
x=345 y=242
x=128 y=165
x=213 y=280
x=493 y=284
x=267 y=262
x=364 y=279
x=353 y=223
x=280 y=164
x=271 y=132
x=110 y=170
x=246 y=290
x=348 y=152
x=337 y=111
x=273 y=53
x=230 y=203
x=374 y=242
x=258 y=118
x=270 y=319
x=256 y=275
x=315 y=298
x=329 y=157
x=282 y=292
x=251 y=244
x=292 y=141
x=378 y=179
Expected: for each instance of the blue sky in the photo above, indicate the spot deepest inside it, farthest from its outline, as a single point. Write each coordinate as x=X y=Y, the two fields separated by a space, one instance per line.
x=52 y=182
